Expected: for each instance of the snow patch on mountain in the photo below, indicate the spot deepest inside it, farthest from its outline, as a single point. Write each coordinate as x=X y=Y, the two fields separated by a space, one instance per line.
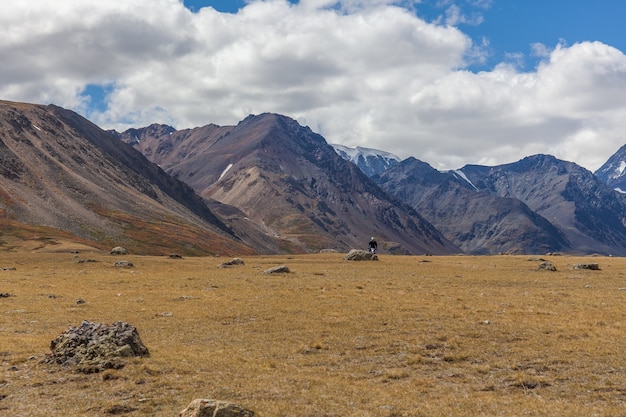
x=224 y=172
x=619 y=171
x=462 y=175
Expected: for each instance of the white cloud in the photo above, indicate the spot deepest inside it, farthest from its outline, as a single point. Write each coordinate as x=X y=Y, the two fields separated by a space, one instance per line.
x=361 y=72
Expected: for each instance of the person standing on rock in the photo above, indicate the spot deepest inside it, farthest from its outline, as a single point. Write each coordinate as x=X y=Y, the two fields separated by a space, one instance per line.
x=373 y=245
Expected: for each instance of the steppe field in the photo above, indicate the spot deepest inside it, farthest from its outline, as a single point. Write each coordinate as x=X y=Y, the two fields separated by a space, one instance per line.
x=403 y=336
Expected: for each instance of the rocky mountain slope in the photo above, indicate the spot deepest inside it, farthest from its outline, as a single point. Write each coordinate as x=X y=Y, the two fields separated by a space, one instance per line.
x=289 y=182
x=63 y=177
x=588 y=212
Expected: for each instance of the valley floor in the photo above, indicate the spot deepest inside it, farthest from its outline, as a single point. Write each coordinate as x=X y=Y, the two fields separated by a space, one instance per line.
x=404 y=336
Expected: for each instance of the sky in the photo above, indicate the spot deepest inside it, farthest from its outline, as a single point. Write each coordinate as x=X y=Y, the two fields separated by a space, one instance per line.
x=449 y=82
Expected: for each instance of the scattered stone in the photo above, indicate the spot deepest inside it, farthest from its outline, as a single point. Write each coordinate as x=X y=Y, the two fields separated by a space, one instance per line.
x=94 y=347
x=593 y=267
x=5 y=295
x=80 y=301
x=529 y=384
x=234 y=261
x=118 y=250
x=277 y=270
x=214 y=408
x=82 y=261
x=165 y=314
x=360 y=255
x=328 y=251
x=536 y=259
x=124 y=264
x=175 y=256
x=8 y=268
x=548 y=266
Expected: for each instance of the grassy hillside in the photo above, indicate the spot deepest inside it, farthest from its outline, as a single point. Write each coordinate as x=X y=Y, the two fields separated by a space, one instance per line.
x=405 y=336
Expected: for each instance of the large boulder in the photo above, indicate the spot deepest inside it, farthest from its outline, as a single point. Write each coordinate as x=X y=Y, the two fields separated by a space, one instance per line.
x=214 y=408
x=360 y=255
x=94 y=347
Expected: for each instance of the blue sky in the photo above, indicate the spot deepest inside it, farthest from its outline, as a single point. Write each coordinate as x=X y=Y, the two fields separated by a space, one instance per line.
x=450 y=82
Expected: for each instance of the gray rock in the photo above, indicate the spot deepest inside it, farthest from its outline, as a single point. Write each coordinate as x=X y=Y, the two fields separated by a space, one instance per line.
x=214 y=408
x=277 y=270
x=94 y=347
x=234 y=261
x=118 y=250
x=593 y=267
x=360 y=255
x=548 y=266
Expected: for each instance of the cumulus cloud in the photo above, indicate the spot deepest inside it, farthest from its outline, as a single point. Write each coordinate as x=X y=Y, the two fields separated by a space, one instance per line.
x=360 y=72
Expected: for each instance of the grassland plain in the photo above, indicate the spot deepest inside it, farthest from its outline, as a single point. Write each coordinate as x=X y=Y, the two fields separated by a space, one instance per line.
x=405 y=336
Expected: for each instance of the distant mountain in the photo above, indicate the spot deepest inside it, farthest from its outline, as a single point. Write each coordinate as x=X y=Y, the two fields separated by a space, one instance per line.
x=61 y=176
x=370 y=161
x=478 y=222
x=613 y=172
x=588 y=213
x=290 y=183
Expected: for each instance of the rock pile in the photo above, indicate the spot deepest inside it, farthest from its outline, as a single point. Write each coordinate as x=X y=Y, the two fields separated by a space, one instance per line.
x=94 y=347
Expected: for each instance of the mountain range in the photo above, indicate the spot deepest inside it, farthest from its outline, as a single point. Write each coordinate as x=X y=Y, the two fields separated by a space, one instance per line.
x=270 y=185
x=536 y=205
x=288 y=182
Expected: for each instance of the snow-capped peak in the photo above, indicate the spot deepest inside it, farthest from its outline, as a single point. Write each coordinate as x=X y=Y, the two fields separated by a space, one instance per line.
x=370 y=161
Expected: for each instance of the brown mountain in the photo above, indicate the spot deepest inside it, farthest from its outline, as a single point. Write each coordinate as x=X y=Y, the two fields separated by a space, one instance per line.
x=288 y=182
x=64 y=179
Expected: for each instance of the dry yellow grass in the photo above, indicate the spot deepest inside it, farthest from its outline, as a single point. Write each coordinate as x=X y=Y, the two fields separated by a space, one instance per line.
x=405 y=336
